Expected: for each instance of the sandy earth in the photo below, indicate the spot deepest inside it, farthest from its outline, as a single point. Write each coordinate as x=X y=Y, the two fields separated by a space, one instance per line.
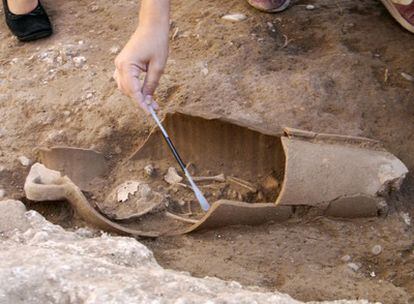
x=333 y=69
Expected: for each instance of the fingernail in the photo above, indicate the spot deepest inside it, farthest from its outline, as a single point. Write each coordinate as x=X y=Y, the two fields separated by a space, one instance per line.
x=148 y=100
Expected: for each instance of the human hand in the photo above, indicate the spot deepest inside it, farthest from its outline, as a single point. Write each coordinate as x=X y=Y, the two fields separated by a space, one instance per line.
x=145 y=52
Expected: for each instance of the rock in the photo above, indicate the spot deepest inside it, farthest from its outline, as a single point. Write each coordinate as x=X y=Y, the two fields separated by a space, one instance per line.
x=114 y=50
x=376 y=250
x=204 y=71
x=56 y=136
x=354 y=266
x=47 y=262
x=94 y=8
x=407 y=76
x=3 y=132
x=234 y=17
x=2 y=193
x=118 y=150
x=406 y=218
x=149 y=170
x=172 y=177
x=346 y=258
x=79 y=61
x=12 y=216
x=310 y=7
x=24 y=161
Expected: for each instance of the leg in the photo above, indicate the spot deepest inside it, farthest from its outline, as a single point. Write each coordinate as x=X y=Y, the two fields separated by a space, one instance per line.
x=21 y=7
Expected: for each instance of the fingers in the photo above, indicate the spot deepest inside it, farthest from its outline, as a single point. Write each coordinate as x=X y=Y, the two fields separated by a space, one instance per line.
x=152 y=78
x=127 y=79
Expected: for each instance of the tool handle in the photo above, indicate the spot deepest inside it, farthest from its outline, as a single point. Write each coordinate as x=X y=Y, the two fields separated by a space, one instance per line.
x=168 y=140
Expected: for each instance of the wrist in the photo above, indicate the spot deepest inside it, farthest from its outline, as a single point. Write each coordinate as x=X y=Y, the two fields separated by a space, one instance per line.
x=155 y=14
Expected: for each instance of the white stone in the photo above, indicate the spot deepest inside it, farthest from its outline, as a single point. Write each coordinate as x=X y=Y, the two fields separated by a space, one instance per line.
x=354 y=266
x=406 y=218
x=310 y=7
x=24 y=161
x=149 y=170
x=79 y=61
x=2 y=193
x=376 y=250
x=68 y=267
x=114 y=50
x=234 y=17
x=12 y=216
x=407 y=76
x=3 y=132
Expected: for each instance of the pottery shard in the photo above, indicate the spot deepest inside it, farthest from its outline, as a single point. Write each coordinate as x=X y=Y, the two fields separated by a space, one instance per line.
x=318 y=173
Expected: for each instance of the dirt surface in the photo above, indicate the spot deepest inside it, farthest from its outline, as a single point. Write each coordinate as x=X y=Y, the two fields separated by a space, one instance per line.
x=334 y=69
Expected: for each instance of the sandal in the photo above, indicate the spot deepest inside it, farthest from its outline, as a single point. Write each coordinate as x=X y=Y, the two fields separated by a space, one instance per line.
x=402 y=11
x=30 y=26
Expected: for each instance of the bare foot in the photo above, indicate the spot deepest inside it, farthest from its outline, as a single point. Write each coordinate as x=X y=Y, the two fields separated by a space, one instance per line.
x=21 y=7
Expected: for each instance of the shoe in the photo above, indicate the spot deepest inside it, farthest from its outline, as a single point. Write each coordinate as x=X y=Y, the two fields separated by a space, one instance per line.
x=402 y=11
x=30 y=26
x=270 y=6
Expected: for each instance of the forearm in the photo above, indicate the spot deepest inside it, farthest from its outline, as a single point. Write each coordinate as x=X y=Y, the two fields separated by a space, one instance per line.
x=155 y=13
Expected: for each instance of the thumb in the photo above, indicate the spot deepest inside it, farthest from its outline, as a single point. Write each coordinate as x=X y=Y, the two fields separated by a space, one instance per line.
x=152 y=78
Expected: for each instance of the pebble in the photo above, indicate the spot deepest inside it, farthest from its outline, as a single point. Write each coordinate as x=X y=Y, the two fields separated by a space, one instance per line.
x=353 y=266
x=346 y=258
x=376 y=250
x=204 y=71
x=79 y=61
x=114 y=50
x=2 y=193
x=234 y=17
x=94 y=8
x=406 y=218
x=56 y=135
x=372 y=274
x=118 y=150
x=310 y=7
x=149 y=170
x=24 y=161
x=407 y=76
x=3 y=132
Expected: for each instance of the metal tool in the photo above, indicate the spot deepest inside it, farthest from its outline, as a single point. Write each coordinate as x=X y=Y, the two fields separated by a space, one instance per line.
x=200 y=197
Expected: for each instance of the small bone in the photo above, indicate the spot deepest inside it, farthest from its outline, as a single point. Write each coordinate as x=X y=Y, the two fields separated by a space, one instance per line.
x=172 y=176
x=182 y=185
x=242 y=183
x=217 y=178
